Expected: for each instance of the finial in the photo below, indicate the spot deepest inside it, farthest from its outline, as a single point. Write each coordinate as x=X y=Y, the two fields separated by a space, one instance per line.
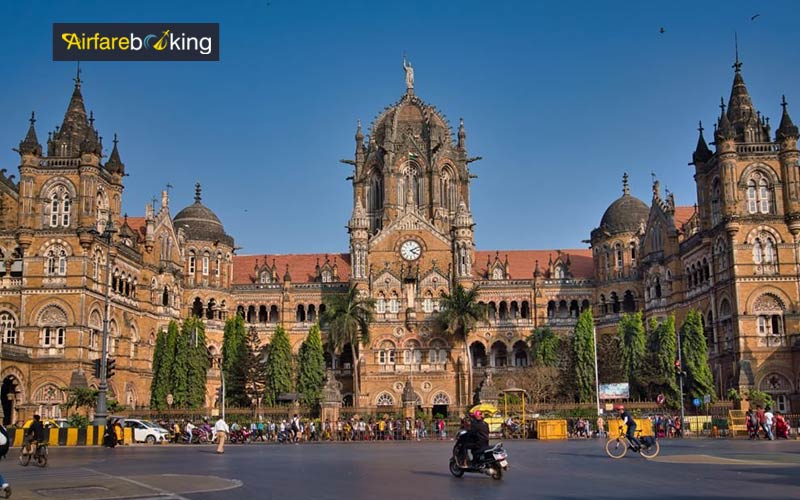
x=197 y=191
x=625 y=188
x=736 y=65
x=722 y=104
x=115 y=141
x=77 y=78
x=700 y=127
x=33 y=116
x=783 y=105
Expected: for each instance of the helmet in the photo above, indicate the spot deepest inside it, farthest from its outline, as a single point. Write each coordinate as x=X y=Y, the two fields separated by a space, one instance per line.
x=477 y=414
x=619 y=408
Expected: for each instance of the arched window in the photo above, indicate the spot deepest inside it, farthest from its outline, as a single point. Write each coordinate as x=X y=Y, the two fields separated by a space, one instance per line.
x=103 y=213
x=427 y=302
x=618 y=253
x=759 y=196
x=386 y=353
x=205 y=264
x=559 y=272
x=380 y=304
x=53 y=321
x=394 y=303
x=726 y=324
x=56 y=261
x=633 y=254
x=448 y=191
x=769 y=320
x=8 y=327
x=217 y=265
x=716 y=202
x=384 y=399
x=60 y=206
x=192 y=262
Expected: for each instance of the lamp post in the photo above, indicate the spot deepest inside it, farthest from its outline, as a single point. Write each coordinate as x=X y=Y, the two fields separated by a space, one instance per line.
x=680 y=378
x=101 y=412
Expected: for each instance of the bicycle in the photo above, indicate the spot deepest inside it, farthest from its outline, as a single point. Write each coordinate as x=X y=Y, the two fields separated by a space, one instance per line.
x=617 y=447
x=40 y=455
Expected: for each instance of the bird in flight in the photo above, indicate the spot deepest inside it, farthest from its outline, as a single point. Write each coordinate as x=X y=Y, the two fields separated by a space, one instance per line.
x=662 y=30
x=753 y=18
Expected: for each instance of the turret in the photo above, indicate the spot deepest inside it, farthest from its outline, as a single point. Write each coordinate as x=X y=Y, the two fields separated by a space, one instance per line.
x=114 y=164
x=30 y=144
x=462 y=135
x=786 y=136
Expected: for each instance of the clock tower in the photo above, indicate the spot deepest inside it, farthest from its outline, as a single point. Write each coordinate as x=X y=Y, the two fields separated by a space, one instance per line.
x=411 y=239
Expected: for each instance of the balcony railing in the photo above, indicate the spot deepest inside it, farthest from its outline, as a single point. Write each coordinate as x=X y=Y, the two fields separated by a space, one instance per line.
x=766 y=147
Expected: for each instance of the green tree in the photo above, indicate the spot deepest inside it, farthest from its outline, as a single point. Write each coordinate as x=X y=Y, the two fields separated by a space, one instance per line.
x=252 y=370
x=347 y=319
x=583 y=350
x=162 y=384
x=279 y=366
x=180 y=369
x=666 y=352
x=199 y=362
x=233 y=351
x=79 y=397
x=311 y=367
x=699 y=380
x=544 y=344
x=157 y=394
x=632 y=341
x=459 y=312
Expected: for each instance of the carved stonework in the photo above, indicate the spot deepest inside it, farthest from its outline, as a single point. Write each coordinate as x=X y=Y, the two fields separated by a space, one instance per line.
x=52 y=316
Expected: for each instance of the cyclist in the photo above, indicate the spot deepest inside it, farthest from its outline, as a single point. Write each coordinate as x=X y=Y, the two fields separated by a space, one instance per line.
x=630 y=423
x=34 y=436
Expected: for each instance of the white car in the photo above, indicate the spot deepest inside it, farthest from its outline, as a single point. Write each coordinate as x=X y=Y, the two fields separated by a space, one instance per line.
x=146 y=432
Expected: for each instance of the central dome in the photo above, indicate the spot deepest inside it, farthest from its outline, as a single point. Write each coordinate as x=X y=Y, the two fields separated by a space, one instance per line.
x=410 y=112
x=626 y=214
x=200 y=223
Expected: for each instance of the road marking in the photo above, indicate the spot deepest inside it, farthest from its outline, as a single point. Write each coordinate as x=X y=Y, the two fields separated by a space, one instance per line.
x=163 y=493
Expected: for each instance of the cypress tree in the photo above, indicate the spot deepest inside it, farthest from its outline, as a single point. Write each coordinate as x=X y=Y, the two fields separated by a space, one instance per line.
x=632 y=341
x=311 y=367
x=544 y=346
x=699 y=380
x=252 y=370
x=158 y=394
x=583 y=350
x=180 y=369
x=199 y=363
x=163 y=383
x=234 y=350
x=666 y=349
x=279 y=366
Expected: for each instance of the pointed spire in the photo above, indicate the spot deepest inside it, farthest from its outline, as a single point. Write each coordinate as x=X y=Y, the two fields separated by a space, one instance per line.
x=742 y=115
x=787 y=129
x=198 y=191
x=626 y=191
x=114 y=163
x=286 y=276
x=75 y=126
x=359 y=134
x=536 y=271
x=462 y=134
x=30 y=144
x=724 y=129
x=701 y=153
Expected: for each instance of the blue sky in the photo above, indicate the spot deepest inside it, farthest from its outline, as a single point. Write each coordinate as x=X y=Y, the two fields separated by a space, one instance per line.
x=560 y=98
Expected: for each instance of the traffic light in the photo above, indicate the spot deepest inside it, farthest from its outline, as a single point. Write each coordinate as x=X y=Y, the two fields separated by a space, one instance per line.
x=677 y=366
x=220 y=395
x=110 y=365
x=97 y=368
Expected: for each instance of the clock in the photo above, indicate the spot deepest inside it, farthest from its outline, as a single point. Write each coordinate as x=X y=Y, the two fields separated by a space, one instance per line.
x=410 y=250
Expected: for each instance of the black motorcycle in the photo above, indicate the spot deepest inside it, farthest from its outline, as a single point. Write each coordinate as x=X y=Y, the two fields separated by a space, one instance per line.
x=491 y=461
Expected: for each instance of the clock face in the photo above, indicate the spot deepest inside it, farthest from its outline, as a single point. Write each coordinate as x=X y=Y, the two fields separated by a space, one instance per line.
x=410 y=250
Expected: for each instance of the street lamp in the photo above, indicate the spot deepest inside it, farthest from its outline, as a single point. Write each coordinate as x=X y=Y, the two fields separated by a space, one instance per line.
x=101 y=412
x=680 y=379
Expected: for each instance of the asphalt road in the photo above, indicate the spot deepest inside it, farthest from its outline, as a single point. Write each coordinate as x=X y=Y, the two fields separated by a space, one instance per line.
x=410 y=471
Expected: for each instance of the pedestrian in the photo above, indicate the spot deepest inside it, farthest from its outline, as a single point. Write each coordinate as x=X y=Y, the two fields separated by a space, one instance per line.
x=768 y=420
x=5 y=443
x=4 y=487
x=601 y=426
x=118 y=432
x=762 y=421
x=221 y=429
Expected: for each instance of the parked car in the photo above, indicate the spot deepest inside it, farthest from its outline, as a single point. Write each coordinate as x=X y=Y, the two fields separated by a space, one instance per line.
x=145 y=431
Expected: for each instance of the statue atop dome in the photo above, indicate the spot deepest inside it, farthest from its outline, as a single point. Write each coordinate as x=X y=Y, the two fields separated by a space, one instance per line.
x=409 y=75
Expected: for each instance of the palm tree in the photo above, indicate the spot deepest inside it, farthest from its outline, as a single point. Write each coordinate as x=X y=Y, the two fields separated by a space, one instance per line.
x=459 y=313
x=347 y=318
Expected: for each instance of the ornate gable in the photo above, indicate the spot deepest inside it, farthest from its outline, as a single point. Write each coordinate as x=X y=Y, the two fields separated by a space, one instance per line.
x=410 y=221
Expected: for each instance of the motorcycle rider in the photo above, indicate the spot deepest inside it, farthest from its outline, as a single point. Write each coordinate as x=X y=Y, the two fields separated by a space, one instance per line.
x=189 y=429
x=476 y=438
x=630 y=423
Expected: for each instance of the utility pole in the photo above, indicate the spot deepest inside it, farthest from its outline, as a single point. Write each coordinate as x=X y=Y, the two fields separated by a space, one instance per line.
x=596 y=376
x=102 y=411
x=680 y=380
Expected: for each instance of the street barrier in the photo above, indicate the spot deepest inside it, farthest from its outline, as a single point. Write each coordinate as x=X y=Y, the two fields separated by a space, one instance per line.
x=552 y=429
x=72 y=436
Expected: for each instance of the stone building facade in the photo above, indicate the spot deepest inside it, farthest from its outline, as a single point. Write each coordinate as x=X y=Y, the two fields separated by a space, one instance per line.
x=733 y=255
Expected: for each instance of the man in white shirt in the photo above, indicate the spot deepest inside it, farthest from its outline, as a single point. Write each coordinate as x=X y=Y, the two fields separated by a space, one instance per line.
x=221 y=430
x=189 y=428
x=768 y=420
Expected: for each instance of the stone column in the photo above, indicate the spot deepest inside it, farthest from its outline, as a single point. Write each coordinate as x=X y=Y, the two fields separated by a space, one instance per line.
x=409 y=400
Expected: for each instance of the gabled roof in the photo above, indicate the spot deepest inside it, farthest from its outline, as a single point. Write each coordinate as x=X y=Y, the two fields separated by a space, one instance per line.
x=682 y=215
x=302 y=267
x=521 y=263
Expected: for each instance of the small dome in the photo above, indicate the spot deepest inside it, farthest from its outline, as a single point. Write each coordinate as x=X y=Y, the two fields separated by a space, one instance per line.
x=626 y=214
x=410 y=112
x=200 y=223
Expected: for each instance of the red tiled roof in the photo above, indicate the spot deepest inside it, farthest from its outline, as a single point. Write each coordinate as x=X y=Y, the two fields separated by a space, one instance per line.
x=138 y=224
x=521 y=263
x=682 y=215
x=302 y=267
